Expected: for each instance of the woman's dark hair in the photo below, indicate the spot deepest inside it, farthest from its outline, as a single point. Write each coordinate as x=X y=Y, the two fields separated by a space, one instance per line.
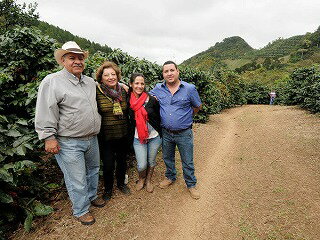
x=133 y=77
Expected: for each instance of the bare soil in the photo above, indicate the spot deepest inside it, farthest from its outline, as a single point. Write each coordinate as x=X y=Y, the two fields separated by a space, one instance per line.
x=258 y=170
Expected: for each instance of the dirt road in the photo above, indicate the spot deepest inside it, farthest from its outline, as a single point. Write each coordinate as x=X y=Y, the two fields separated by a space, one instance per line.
x=258 y=170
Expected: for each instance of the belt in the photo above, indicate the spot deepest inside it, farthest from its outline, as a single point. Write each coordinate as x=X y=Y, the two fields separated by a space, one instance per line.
x=78 y=138
x=177 y=131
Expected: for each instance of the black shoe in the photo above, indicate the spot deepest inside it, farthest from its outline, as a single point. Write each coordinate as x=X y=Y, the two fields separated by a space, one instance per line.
x=98 y=202
x=124 y=189
x=107 y=196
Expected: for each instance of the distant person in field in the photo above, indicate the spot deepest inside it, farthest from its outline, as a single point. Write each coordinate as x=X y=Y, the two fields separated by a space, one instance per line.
x=179 y=101
x=113 y=139
x=67 y=119
x=272 y=95
x=144 y=115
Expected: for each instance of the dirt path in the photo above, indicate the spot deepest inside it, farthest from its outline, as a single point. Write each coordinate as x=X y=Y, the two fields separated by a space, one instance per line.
x=258 y=169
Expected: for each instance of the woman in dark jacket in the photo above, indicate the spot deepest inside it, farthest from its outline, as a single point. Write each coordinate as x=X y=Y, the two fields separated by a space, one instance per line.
x=112 y=105
x=144 y=114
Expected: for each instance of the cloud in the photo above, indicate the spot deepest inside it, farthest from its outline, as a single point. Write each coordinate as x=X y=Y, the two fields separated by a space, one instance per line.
x=179 y=29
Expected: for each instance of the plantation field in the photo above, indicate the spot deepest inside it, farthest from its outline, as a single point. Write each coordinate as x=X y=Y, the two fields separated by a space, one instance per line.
x=235 y=63
x=258 y=173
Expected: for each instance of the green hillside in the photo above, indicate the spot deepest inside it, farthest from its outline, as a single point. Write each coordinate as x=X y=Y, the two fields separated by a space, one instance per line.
x=232 y=49
x=13 y=14
x=281 y=47
x=63 y=36
x=234 y=52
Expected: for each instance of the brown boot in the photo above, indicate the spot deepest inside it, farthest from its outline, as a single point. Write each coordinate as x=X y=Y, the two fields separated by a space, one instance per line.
x=98 y=202
x=165 y=183
x=141 y=181
x=149 y=186
x=86 y=219
x=194 y=193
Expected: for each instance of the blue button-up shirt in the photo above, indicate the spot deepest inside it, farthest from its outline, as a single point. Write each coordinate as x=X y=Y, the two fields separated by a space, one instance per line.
x=176 y=110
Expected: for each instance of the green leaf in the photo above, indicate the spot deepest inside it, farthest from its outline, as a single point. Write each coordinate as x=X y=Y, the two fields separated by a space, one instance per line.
x=42 y=210
x=13 y=133
x=2 y=158
x=9 y=151
x=23 y=165
x=5 y=198
x=53 y=186
x=21 y=150
x=5 y=175
x=22 y=122
x=3 y=118
x=28 y=145
x=28 y=222
x=20 y=140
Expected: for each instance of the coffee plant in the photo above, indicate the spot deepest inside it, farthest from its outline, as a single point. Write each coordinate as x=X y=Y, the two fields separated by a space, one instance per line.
x=303 y=89
x=25 y=58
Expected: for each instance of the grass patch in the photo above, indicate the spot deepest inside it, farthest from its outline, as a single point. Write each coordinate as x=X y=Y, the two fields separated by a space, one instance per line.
x=247 y=231
x=278 y=190
x=123 y=216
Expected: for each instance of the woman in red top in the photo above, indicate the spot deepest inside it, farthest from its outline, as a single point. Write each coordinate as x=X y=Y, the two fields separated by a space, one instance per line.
x=144 y=114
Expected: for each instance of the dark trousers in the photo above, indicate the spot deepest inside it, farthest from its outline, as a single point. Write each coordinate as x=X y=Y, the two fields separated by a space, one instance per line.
x=114 y=154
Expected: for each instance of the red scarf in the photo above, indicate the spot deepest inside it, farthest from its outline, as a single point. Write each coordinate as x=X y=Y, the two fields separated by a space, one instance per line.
x=140 y=115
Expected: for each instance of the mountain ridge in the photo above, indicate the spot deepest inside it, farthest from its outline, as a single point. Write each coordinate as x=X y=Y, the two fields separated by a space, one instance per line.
x=234 y=52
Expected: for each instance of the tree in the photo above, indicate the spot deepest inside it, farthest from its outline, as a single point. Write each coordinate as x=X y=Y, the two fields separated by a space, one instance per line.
x=315 y=38
x=13 y=14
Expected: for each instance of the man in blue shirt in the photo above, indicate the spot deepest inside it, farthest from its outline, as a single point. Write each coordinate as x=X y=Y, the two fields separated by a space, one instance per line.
x=179 y=101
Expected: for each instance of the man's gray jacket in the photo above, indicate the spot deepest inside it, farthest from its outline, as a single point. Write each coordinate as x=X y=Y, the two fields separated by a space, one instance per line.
x=66 y=106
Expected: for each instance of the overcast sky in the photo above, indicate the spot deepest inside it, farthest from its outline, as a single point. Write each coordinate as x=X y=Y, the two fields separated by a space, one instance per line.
x=178 y=29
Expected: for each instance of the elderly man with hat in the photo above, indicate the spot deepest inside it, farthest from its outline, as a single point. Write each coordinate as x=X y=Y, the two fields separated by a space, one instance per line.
x=68 y=121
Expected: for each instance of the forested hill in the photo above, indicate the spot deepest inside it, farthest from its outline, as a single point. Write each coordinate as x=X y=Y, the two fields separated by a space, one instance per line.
x=281 y=47
x=63 y=36
x=232 y=47
x=234 y=52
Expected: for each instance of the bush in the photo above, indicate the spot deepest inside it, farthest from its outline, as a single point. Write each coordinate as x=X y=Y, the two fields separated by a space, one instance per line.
x=25 y=57
x=233 y=85
x=303 y=89
x=256 y=93
x=207 y=89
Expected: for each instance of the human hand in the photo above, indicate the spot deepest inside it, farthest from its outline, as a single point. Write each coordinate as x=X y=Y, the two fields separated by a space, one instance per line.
x=125 y=87
x=52 y=146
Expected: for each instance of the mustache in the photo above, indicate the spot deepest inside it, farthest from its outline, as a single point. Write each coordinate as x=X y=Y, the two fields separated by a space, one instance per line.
x=78 y=65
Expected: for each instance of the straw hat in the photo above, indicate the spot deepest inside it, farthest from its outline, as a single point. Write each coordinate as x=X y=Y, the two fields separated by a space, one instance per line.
x=68 y=47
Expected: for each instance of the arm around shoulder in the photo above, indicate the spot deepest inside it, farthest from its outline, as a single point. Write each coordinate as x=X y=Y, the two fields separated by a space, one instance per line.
x=196 y=109
x=155 y=91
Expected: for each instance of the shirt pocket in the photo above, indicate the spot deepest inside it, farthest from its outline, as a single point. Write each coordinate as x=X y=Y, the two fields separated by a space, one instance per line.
x=164 y=100
x=181 y=101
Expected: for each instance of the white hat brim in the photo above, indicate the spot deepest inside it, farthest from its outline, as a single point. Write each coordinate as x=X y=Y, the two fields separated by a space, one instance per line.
x=58 y=54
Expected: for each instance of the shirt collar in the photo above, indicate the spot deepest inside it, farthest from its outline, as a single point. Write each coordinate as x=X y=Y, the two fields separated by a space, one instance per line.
x=165 y=85
x=72 y=78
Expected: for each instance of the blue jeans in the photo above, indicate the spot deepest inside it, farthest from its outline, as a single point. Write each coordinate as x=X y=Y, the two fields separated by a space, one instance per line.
x=184 y=141
x=271 y=100
x=146 y=153
x=79 y=160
